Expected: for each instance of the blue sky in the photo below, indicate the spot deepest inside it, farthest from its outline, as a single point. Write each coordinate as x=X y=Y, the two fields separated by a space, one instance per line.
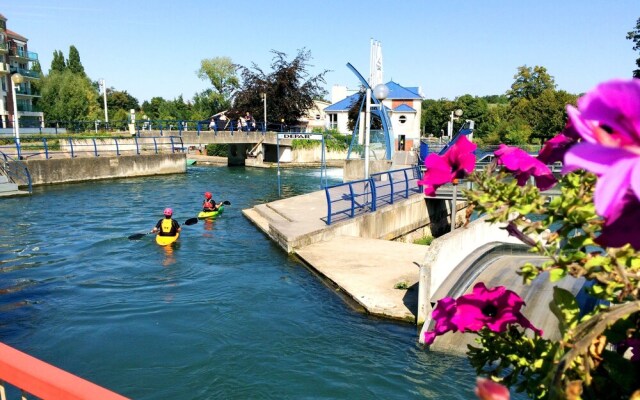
x=449 y=48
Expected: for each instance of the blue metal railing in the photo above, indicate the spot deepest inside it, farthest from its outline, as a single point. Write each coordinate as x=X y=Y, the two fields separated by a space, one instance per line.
x=15 y=170
x=346 y=200
x=90 y=146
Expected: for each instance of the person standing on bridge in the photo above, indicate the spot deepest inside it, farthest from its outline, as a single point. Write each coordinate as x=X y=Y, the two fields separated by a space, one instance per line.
x=209 y=204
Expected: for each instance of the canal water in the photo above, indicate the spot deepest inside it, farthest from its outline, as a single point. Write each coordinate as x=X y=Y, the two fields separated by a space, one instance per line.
x=225 y=314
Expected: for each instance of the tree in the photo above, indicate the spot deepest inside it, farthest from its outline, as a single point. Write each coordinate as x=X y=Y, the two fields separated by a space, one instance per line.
x=530 y=82
x=289 y=87
x=73 y=63
x=222 y=73
x=68 y=97
x=121 y=100
x=634 y=36
x=57 y=64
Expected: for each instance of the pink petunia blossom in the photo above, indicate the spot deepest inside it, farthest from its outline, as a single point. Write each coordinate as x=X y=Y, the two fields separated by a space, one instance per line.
x=442 y=316
x=608 y=120
x=456 y=163
x=524 y=166
x=494 y=308
x=486 y=389
x=617 y=231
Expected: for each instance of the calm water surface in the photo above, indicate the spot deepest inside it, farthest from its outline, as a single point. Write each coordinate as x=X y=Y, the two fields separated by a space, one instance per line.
x=226 y=314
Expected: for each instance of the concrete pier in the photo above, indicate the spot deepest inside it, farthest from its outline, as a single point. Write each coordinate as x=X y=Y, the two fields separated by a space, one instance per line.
x=364 y=257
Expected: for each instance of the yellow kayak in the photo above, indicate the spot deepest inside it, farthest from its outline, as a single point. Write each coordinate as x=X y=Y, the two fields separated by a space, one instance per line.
x=166 y=240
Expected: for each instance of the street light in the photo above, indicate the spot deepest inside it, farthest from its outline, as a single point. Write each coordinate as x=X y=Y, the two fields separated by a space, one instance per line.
x=381 y=91
x=104 y=96
x=264 y=102
x=16 y=79
x=454 y=116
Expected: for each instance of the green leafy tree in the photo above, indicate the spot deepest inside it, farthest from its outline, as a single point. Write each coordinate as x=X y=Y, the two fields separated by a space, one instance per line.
x=73 y=63
x=68 y=97
x=289 y=87
x=435 y=114
x=57 y=64
x=530 y=82
x=207 y=103
x=634 y=36
x=121 y=100
x=221 y=72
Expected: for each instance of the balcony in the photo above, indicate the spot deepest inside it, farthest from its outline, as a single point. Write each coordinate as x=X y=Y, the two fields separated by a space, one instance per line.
x=25 y=72
x=29 y=55
x=4 y=68
x=4 y=48
x=26 y=106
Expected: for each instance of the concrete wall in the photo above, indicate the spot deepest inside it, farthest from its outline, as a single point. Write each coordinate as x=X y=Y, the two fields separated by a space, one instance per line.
x=449 y=250
x=354 y=169
x=315 y=155
x=92 y=168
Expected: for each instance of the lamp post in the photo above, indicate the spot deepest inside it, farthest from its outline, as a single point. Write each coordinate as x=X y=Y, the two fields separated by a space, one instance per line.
x=104 y=96
x=381 y=91
x=264 y=103
x=454 y=116
x=16 y=79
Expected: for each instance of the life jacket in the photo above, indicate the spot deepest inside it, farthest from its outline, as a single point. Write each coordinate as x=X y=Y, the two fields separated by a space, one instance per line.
x=208 y=205
x=166 y=227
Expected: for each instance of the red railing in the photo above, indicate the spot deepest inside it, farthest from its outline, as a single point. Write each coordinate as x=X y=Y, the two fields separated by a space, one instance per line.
x=45 y=381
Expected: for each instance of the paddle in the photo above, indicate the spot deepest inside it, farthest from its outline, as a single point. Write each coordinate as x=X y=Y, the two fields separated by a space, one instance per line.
x=138 y=236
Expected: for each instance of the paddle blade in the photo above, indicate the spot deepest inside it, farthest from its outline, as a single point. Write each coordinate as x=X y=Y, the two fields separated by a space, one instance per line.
x=137 y=236
x=226 y=203
x=191 y=221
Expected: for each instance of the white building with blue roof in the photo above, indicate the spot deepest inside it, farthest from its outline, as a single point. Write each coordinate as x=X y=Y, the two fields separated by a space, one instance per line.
x=404 y=105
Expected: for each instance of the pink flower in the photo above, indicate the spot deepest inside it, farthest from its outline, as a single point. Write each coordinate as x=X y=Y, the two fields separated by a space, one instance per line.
x=454 y=164
x=525 y=166
x=492 y=308
x=487 y=389
x=442 y=315
x=555 y=149
x=617 y=231
x=608 y=120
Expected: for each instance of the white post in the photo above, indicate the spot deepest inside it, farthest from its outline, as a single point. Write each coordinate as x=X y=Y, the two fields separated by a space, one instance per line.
x=16 y=119
x=104 y=96
x=454 y=206
x=367 y=132
x=264 y=99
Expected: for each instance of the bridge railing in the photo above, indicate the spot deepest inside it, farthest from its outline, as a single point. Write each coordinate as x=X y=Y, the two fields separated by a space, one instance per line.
x=349 y=199
x=30 y=375
x=41 y=147
x=15 y=171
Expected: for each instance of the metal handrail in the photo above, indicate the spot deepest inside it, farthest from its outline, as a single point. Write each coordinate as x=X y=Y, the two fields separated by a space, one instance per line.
x=346 y=200
x=45 y=381
x=16 y=171
x=91 y=146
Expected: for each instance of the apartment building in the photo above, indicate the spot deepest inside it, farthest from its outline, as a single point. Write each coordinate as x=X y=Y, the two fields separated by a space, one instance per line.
x=17 y=61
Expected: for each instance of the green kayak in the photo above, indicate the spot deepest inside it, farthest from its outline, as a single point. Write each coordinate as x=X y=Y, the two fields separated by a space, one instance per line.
x=210 y=214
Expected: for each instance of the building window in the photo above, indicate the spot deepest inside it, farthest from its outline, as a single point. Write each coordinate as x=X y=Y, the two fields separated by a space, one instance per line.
x=318 y=116
x=402 y=119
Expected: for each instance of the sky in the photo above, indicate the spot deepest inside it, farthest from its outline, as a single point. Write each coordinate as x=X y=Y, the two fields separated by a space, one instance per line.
x=446 y=47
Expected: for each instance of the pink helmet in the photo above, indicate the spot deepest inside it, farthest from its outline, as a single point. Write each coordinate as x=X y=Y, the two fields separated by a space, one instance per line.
x=168 y=212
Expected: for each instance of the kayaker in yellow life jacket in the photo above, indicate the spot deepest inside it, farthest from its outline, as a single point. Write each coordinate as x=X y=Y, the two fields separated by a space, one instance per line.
x=167 y=226
x=209 y=204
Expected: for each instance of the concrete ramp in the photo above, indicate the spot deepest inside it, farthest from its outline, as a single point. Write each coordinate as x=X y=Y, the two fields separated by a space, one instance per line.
x=367 y=271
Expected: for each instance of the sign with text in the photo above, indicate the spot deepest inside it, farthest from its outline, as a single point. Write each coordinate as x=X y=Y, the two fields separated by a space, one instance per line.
x=307 y=136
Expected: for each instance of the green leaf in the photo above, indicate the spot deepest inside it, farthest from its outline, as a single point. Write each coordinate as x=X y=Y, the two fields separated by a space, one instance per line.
x=565 y=307
x=556 y=274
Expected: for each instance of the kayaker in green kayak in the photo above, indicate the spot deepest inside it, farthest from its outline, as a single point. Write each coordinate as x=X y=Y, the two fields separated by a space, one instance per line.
x=167 y=226
x=209 y=204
